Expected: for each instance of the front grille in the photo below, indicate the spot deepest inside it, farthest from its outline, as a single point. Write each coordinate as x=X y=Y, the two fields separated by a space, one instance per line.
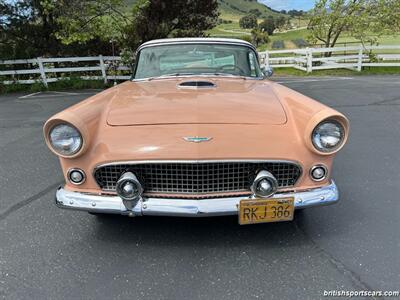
x=197 y=177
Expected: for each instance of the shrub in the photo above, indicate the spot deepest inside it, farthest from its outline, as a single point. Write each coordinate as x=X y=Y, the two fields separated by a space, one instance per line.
x=259 y=37
x=247 y=38
x=223 y=21
x=268 y=25
x=249 y=21
x=74 y=83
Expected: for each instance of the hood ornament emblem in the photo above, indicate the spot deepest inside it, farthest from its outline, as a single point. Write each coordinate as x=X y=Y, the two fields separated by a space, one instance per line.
x=197 y=139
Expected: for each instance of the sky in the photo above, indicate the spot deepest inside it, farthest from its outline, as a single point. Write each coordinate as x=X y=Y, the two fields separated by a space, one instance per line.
x=289 y=4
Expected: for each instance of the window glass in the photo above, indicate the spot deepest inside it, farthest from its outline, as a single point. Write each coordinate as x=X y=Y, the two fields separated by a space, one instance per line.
x=186 y=59
x=252 y=62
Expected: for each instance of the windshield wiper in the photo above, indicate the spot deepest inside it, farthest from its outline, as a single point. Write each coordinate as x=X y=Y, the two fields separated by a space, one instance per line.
x=224 y=74
x=171 y=75
x=194 y=74
x=176 y=74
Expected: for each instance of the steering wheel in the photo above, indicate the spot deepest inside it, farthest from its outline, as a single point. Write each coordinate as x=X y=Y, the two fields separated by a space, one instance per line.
x=234 y=67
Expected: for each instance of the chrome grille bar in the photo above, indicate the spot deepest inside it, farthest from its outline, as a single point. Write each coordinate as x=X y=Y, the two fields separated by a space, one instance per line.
x=199 y=177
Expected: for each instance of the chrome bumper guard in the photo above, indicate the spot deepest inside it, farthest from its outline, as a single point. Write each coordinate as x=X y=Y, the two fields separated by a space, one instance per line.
x=184 y=207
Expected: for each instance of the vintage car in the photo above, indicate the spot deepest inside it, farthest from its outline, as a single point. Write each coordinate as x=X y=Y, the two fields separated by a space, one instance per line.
x=199 y=131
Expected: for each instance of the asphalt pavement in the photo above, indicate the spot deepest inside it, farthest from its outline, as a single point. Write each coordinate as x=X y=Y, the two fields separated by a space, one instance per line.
x=48 y=253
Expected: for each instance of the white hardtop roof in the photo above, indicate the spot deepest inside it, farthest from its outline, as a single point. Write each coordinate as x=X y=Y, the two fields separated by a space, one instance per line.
x=196 y=40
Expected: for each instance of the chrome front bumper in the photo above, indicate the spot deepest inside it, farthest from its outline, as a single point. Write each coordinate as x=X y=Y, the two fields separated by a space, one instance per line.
x=183 y=207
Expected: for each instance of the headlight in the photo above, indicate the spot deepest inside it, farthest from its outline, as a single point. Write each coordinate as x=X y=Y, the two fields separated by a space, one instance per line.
x=328 y=136
x=65 y=139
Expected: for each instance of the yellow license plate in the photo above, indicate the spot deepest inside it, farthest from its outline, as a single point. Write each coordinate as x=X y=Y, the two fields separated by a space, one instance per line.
x=252 y=211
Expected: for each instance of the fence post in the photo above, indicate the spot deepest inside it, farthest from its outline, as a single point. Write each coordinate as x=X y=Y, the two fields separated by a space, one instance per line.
x=309 y=60
x=266 y=62
x=360 y=59
x=42 y=72
x=103 y=69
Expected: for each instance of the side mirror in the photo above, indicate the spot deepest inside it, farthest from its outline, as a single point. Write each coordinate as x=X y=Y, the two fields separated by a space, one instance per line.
x=268 y=72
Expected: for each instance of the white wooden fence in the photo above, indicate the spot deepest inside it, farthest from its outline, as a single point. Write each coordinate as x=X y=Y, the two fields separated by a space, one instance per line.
x=46 y=70
x=354 y=58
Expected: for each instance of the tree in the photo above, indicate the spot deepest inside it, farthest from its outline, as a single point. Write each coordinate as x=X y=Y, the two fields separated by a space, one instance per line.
x=363 y=19
x=84 y=20
x=29 y=29
x=154 y=19
x=26 y=29
x=295 y=13
x=258 y=37
x=280 y=22
x=268 y=25
x=248 y=21
x=376 y=18
x=330 y=18
x=32 y=28
x=147 y=20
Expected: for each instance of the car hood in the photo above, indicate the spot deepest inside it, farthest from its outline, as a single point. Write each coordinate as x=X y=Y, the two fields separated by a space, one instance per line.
x=165 y=101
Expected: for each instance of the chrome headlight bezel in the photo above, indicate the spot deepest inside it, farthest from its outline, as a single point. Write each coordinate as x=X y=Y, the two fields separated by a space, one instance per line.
x=316 y=136
x=73 y=133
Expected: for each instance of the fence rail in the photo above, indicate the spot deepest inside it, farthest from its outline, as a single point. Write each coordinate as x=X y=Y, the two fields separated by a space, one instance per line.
x=353 y=58
x=46 y=70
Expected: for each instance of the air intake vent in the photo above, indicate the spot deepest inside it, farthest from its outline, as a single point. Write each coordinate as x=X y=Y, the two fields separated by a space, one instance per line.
x=197 y=84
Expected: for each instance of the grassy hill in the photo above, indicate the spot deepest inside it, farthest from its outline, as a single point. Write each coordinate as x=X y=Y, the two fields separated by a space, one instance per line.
x=232 y=10
x=236 y=8
x=243 y=7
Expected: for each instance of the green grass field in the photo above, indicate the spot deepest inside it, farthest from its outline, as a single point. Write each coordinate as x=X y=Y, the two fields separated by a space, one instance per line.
x=233 y=30
x=240 y=7
x=338 y=72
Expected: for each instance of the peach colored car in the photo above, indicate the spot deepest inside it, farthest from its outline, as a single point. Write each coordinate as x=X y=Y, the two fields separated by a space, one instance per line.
x=198 y=131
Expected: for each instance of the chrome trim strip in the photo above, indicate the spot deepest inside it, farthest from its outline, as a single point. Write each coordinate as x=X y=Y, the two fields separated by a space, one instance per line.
x=194 y=161
x=325 y=195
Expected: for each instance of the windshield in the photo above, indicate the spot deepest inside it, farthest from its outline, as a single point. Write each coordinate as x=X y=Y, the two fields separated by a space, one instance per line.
x=197 y=59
